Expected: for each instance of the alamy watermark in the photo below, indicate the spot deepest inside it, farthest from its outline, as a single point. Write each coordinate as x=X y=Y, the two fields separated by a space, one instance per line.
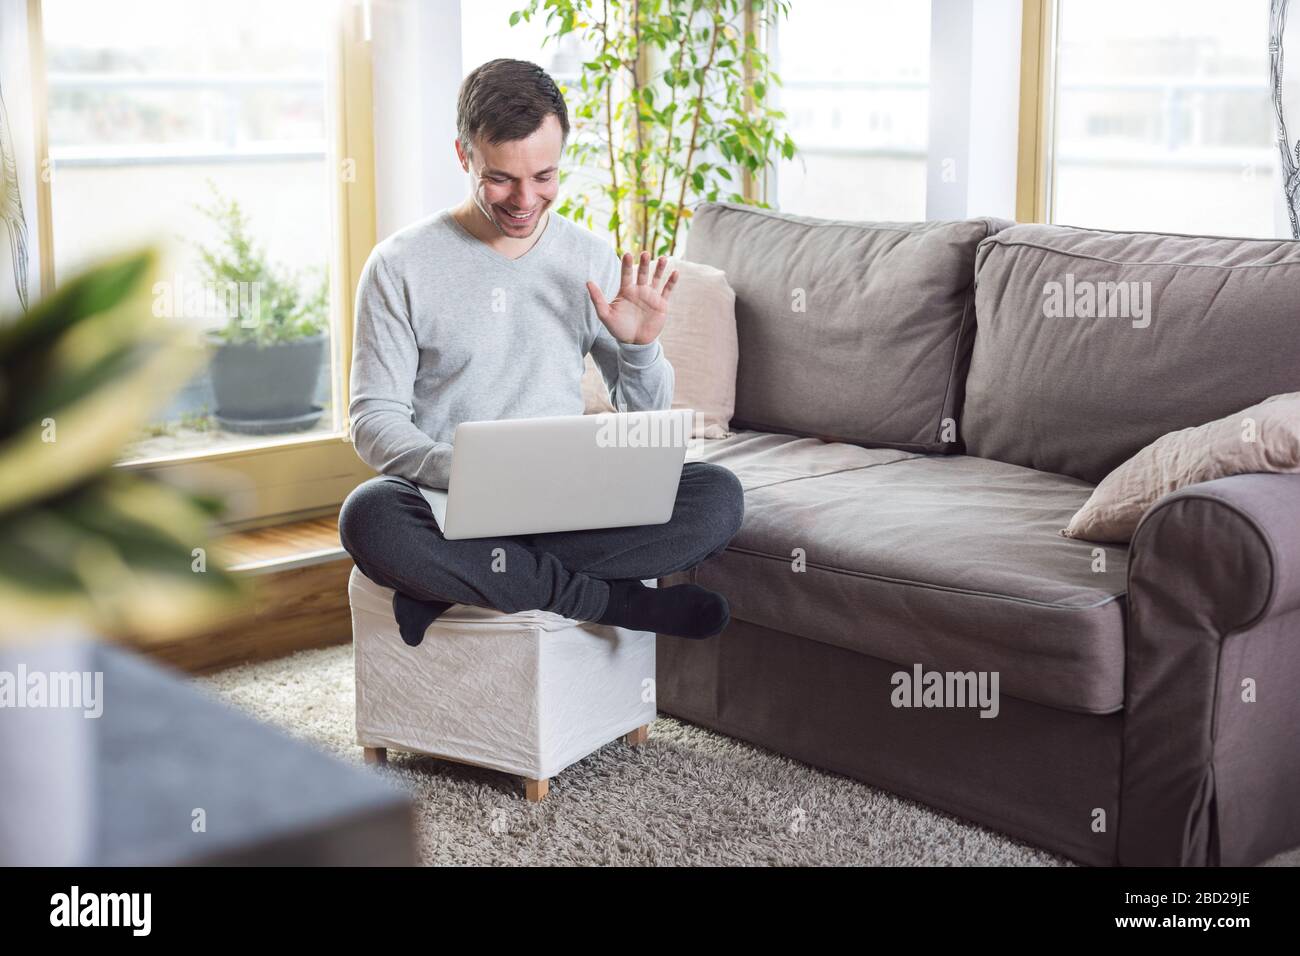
x=643 y=431
x=74 y=908
x=71 y=690
x=922 y=688
x=182 y=299
x=1086 y=299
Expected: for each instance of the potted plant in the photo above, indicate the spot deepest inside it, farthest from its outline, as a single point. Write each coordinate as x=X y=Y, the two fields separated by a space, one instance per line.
x=271 y=344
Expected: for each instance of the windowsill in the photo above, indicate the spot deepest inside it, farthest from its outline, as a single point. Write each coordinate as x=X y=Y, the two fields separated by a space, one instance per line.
x=285 y=546
x=231 y=446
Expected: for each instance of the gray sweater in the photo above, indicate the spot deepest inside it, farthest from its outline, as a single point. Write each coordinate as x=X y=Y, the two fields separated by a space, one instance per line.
x=449 y=330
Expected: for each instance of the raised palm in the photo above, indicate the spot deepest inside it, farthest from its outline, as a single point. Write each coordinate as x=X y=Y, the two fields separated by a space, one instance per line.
x=639 y=311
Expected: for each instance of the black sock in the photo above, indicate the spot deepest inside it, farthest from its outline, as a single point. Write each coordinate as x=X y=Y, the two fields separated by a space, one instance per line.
x=415 y=616
x=683 y=610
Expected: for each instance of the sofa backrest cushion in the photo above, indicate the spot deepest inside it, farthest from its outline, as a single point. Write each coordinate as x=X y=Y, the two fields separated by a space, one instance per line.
x=849 y=331
x=1090 y=345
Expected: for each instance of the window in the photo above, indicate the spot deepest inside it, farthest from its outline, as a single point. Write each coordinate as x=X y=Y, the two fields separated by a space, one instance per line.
x=486 y=34
x=855 y=92
x=204 y=127
x=1162 y=117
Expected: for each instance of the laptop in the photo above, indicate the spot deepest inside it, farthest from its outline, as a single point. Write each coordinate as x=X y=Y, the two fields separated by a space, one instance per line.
x=562 y=473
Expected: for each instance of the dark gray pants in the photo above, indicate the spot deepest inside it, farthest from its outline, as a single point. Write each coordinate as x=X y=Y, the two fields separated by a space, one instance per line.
x=389 y=529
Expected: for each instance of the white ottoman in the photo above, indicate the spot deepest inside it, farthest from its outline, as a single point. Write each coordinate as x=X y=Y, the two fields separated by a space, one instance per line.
x=527 y=693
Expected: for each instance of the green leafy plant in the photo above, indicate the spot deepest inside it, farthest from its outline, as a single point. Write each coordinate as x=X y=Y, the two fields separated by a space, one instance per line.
x=79 y=538
x=288 y=305
x=158 y=430
x=650 y=130
x=199 y=421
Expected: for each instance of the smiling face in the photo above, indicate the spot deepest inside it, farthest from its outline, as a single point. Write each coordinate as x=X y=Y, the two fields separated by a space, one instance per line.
x=513 y=183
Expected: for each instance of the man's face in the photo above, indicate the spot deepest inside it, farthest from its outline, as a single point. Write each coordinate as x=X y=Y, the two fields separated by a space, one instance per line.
x=517 y=177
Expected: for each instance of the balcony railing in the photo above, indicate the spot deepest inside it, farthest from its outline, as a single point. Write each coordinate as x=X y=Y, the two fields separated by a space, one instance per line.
x=1176 y=151
x=230 y=148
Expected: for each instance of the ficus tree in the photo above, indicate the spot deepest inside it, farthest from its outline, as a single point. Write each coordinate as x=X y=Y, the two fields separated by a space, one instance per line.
x=671 y=108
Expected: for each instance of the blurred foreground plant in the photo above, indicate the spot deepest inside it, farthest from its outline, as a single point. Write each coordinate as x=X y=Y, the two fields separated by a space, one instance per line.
x=114 y=550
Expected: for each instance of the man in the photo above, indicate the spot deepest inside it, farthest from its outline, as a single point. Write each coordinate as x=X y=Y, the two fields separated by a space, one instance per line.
x=485 y=311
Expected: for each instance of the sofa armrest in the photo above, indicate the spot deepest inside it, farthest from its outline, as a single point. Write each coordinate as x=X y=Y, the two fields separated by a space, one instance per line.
x=1212 y=657
x=1230 y=548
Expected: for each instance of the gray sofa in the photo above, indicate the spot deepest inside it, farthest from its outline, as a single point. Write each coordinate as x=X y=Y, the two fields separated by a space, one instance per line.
x=912 y=429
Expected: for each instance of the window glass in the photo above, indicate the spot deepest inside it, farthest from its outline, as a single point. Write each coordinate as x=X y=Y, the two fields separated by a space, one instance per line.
x=855 y=92
x=1163 y=117
x=204 y=127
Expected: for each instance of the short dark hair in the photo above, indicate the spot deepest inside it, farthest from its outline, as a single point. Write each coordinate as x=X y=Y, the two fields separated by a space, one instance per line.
x=505 y=100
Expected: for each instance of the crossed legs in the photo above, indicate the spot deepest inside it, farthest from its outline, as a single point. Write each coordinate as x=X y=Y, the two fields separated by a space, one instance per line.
x=390 y=532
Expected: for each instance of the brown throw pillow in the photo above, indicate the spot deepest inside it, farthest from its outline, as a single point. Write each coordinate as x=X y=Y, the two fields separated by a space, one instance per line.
x=1264 y=437
x=699 y=340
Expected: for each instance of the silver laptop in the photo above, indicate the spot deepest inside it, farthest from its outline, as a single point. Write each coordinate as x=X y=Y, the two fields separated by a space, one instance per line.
x=564 y=473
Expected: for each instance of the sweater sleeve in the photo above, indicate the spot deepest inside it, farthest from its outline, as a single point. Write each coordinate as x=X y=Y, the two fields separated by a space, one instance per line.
x=638 y=377
x=385 y=357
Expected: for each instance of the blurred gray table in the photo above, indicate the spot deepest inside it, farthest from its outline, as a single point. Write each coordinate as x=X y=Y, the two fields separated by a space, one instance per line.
x=126 y=788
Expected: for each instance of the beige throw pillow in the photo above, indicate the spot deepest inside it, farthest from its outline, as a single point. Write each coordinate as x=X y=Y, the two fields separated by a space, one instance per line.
x=699 y=340
x=1264 y=437
x=594 y=397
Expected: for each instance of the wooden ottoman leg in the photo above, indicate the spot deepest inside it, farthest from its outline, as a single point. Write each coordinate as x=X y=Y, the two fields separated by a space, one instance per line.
x=535 y=790
x=639 y=736
x=376 y=755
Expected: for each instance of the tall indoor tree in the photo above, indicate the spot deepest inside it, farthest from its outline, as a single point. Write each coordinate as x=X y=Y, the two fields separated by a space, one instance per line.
x=671 y=104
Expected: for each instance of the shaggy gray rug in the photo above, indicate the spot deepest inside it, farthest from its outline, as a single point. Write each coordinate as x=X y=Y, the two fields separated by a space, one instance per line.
x=686 y=796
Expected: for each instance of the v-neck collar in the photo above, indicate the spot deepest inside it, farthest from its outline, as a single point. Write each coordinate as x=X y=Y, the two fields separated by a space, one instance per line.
x=484 y=249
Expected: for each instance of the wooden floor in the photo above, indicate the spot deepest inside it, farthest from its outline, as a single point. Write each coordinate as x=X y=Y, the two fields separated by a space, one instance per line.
x=299 y=575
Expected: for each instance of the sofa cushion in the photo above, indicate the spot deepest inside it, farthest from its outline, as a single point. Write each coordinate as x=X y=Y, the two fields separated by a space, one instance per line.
x=952 y=562
x=760 y=459
x=1079 y=395
x=852 y=331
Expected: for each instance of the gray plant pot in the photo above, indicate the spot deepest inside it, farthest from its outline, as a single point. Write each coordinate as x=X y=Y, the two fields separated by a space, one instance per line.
x=267 y=389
